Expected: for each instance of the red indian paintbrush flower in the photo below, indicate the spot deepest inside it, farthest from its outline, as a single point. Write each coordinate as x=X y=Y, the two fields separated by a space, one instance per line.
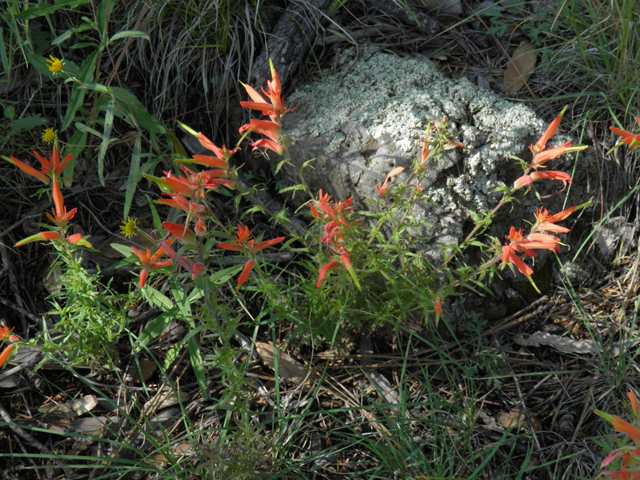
x=526 y=245
x=382 y=190
x=245 y=244
x=275 y=108
x=334 y=234
x=5 y=336
x=150 y=262
x=268 y=129
x=542 y=156
x=51 y=167
x=527 y=180
x=628 y=454
x=60 y=216
x=547 y=223
x=629 y=139
x=180 y=232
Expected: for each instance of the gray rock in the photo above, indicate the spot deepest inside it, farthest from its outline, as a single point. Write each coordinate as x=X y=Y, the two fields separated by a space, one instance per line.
x=614 y=233
x=366 y=119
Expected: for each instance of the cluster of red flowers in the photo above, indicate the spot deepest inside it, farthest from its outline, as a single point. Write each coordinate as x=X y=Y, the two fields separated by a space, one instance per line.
x=5 y=336
x=629 y=454
x=336 y=228
x=537 y=239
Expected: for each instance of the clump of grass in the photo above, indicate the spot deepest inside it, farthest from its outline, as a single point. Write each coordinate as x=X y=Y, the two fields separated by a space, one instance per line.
x=591 y=51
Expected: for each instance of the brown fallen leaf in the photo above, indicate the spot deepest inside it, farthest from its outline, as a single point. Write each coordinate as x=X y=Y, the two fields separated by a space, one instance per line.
x=288 y=368
x=520 y=68
x=516 y=419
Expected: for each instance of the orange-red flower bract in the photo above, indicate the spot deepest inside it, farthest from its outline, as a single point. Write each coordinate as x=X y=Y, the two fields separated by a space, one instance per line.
x=4 y=356
x=51 y=167
x=551 y=154
x=541 y=144
x=244 y=243
x=242 y=279
x=633 y=141
x=547 y=223
x=60 y=217
x=635 y=406
x=150 y=262
x=324 y=270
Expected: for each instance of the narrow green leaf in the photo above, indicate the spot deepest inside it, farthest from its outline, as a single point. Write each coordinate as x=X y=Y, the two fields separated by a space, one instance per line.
x=102 y=18
x=157 y=223
x=172 y=354
x=86 y=129
x=3 y=54
x=155 y=328
x=134 y=177
x=128 y=34
x=280 y=165
x=295 y=188
x=122 y=249
x=75 y=146
x=223 y=276
x=87 y=70
x=106 y=139
x=197 y=364
x=158 y=299
x=43 y=9
x=27 y=123
x=128 y=106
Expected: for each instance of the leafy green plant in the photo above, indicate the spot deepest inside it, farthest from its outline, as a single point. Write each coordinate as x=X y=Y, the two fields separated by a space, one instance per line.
x=359 y=271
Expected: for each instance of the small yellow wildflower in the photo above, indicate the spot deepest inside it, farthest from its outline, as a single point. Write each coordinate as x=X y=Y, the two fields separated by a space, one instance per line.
x=48 y=135
x=55 y=64
x=129 y=228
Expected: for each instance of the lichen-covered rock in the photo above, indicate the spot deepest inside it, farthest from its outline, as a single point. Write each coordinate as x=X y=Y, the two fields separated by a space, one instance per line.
x=366 y=119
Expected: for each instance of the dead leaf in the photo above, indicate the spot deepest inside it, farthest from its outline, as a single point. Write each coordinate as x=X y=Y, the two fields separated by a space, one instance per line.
x=516 y=418
x=520 y=68
x=147 y=369
x=83 y=405
x=288 y=368
x=559 y=343
x=164 y=400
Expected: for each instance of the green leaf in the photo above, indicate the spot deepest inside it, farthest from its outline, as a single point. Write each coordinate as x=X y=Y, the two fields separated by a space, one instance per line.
x=129 y=34
x=158 y=299
x=122 y=249
x=280 y=165
x=133 y=178
x=67 y=35
x=4 y=60
x=9 y=112
x=87 y=70
x=43 y=9
x=76 y=145
x=157 y=223
x=223 y=276
x=155 y=328
x=197 y=364
x=86 y=129
x=27 y=123
x=130 y=107
x=108 y=126
x=182 y=301
x=102 y=17
x=295 y=188
x=173 y=353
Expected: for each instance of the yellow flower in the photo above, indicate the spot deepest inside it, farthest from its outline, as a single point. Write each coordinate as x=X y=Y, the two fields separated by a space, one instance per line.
x=48 y=135
x=129 y=228
x=55 y=64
